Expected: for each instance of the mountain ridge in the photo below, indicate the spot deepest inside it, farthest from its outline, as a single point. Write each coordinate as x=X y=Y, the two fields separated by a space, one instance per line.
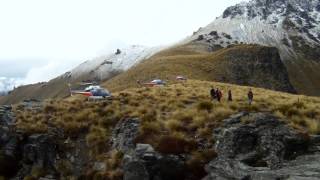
x=280 y=23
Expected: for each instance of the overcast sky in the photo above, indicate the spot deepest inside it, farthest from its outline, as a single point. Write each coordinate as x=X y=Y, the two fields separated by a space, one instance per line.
x=43 y=38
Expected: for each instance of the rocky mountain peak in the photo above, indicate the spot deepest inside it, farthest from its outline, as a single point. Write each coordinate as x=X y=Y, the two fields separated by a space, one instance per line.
x=265 y=8
x=297 y=17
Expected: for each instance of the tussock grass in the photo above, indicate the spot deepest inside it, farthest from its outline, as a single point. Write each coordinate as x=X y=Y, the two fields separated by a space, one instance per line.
x=183 y=107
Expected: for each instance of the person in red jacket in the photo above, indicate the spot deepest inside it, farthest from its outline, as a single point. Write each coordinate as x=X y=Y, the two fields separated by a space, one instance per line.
x=229 y=95
x=250 y=96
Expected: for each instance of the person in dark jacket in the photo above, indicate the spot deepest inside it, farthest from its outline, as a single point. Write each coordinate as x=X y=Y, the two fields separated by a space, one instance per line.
x=218 y=94
x=213 y=93
x=229 y=95
x=250 y=96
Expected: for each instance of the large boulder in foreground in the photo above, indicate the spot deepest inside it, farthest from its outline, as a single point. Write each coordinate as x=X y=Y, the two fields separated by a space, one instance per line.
x=141 y=161
x=20 y=153
x=9 y=144
x=260 y=146
x=146 y=164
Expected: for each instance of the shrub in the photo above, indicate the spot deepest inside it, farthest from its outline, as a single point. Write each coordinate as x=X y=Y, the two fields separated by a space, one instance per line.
x=149 y=116
x=221 y=113
x=184 y=116
x=313 y=126
x=175 y=144
x=96 y=139
x=72 y=128
x=37 y=172
x=49 y=108
x=198 y=161
x=299 y=121
x=64 y=167
x=148 y=128
x=205 y=106
x=173 y=125
x=299 y=104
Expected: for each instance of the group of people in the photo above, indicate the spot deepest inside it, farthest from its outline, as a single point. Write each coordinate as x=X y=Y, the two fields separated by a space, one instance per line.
x=216 y=94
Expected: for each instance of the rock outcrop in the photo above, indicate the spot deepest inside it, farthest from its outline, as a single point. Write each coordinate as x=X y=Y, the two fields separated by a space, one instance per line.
x=260 y=146
x=9 y=154
x=22 y=154
x=124 y=135
x=19 y=153
x=141 y=161
x=146 y=164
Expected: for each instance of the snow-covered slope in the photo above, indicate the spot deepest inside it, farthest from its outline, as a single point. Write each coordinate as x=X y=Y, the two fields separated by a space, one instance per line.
x=293 y=26
x=104 y=67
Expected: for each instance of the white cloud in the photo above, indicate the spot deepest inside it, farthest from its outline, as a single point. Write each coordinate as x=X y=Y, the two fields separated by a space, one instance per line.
x=7 y=84
x=44 y=73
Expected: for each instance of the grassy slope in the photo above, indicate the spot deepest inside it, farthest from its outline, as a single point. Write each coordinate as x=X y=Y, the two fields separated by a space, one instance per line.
x=56 y=88
x=304 y=68
x=304 y=75
x=194 y=62
x=181 y=114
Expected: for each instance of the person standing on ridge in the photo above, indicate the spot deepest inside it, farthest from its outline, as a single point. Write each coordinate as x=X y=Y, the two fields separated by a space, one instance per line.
x=139 y=83
x=218 y=94
x=213 y=93
x=250 y=96
x=229 y=95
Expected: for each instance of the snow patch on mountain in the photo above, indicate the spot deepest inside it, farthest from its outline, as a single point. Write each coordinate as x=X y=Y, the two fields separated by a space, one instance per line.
x=269 y=23
x=101 y=67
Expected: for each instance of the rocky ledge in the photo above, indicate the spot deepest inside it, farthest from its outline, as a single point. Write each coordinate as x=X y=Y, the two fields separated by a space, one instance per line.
x=260 y=146
x=249 y=146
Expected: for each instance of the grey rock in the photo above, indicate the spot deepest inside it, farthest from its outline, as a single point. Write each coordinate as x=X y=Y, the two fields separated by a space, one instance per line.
x=9 y=144
x=38 y=150
x=124 y=134
x=99 y=166
x=18 y=152
x=146 y=164
x=48 y=177
x=141 y=161
x=143 y=149
x=262 y=148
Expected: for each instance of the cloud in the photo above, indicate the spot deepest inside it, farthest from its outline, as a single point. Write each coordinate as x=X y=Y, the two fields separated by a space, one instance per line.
x=36 y=74
x=55 y=68
x=7 y=84
x=47 y=72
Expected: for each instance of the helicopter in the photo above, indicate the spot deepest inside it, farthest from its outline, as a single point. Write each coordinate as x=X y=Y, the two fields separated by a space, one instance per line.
x=181 y=78
x=93 y=92
x=154 y=83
